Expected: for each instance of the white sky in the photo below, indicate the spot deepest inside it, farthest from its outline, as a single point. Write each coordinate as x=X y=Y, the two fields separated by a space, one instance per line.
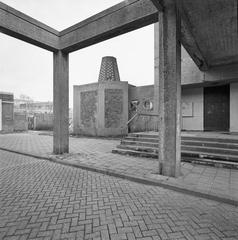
x=26 y=69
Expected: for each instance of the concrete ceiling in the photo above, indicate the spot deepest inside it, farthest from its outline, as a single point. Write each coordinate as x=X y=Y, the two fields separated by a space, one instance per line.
x=213 y=25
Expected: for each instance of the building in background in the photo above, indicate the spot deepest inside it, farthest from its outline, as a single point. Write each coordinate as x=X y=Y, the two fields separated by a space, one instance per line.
x=6 y=112
x=104 y=108
x=101 y=109
x=110 y=107
x=33 y=115
x=31 y=107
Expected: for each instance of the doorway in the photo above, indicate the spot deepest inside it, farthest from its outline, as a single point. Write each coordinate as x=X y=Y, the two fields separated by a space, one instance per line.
x=217 y=108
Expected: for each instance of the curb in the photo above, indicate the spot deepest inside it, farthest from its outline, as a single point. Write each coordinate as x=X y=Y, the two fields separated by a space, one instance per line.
x=137 y=179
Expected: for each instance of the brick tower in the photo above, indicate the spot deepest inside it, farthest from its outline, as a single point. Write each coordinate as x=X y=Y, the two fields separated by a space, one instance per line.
x=109 y=70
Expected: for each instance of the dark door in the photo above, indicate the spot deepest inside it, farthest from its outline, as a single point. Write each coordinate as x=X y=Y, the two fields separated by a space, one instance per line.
x=217 y=108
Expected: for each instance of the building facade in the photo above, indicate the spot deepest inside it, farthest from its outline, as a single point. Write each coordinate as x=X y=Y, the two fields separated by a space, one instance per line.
x=31 y=107
x=101 y=109
x=111 y=107
x=209 y=98
x=6 y=112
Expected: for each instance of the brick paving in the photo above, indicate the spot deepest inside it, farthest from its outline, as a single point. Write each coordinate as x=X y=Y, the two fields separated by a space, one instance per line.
x=96 y=153
x=44 y=200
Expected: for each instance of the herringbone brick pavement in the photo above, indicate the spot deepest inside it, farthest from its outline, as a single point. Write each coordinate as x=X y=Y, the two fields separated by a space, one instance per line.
x=43 y=200
x=96 y=153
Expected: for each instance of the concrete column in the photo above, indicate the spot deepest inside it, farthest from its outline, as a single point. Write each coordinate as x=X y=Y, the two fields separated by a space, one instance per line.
x=0 y=114
x=169 y=82
x=61 y=103
x=156 y=67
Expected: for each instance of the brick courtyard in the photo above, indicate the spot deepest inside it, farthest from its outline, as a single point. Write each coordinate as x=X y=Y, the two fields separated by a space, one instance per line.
x=44 y=200
x=96 y=154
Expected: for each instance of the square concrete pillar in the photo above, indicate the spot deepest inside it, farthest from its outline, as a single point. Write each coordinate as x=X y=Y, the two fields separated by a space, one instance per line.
x=168 y=80
x=156 y=67
x=61 y=103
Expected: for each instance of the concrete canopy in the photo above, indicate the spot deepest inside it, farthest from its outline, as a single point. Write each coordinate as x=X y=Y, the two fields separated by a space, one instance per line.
x=214 y=27
x=209 y=30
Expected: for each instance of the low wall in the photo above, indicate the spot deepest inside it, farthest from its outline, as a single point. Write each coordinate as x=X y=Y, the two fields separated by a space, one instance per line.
x=43 y=121
x=7 y=117
x=6 y=112
x=20 y=121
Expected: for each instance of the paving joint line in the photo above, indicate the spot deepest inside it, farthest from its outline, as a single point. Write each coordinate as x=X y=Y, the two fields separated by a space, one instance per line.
x=137 y=179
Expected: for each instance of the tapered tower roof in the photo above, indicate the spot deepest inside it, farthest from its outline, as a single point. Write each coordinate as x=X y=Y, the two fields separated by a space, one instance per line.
x=109 y=70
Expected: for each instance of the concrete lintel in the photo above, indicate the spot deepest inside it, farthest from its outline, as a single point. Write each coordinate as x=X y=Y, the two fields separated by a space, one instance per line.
x=61 y=103
x=23 y=27
x=114 y=21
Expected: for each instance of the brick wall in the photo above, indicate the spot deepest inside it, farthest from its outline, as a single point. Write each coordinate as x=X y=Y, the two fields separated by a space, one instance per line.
x=113 y=108
x=20 y=121
x=43 y=121
x=88 y=108
x=7 y=117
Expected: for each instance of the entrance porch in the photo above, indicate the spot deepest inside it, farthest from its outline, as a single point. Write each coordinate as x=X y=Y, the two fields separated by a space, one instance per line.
x=212 y=148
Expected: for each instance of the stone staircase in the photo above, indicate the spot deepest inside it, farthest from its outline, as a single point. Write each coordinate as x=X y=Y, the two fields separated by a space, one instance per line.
x=198 y=149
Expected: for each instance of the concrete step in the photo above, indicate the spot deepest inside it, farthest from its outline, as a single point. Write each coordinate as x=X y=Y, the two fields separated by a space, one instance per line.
x=206 y=149
x=135 y=153
x=142 y=139
x=187 y=138
x=224 y=144
x=138 y=148
x=188 y=152
x=193 y=142
x=204 y=155
x=185 y=158
x=209 y=139
x=140 y=143
x=143 y=135
x=210 y=150
x=211 y=162
x=211 y=147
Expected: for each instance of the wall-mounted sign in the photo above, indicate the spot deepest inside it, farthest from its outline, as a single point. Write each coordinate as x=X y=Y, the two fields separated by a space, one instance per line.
x=187 y=109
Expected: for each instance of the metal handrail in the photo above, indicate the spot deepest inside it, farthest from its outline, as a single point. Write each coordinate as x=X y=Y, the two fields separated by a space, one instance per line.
x=127 y=123
x=133 y=117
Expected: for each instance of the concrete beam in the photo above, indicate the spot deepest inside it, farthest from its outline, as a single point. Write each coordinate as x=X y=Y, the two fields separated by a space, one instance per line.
x=169 y=82
x=119 y=19
x=23 y=27
x=61 y=103
x=158 y=4
x=122 y=18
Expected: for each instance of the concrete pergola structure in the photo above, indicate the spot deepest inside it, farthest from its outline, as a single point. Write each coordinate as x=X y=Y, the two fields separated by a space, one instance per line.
x=194 y=23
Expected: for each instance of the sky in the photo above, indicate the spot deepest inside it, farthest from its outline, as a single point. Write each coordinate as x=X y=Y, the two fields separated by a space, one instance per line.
x=27 y=69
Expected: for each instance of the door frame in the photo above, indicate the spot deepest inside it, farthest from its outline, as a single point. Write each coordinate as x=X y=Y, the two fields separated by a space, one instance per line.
x=204 y=107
